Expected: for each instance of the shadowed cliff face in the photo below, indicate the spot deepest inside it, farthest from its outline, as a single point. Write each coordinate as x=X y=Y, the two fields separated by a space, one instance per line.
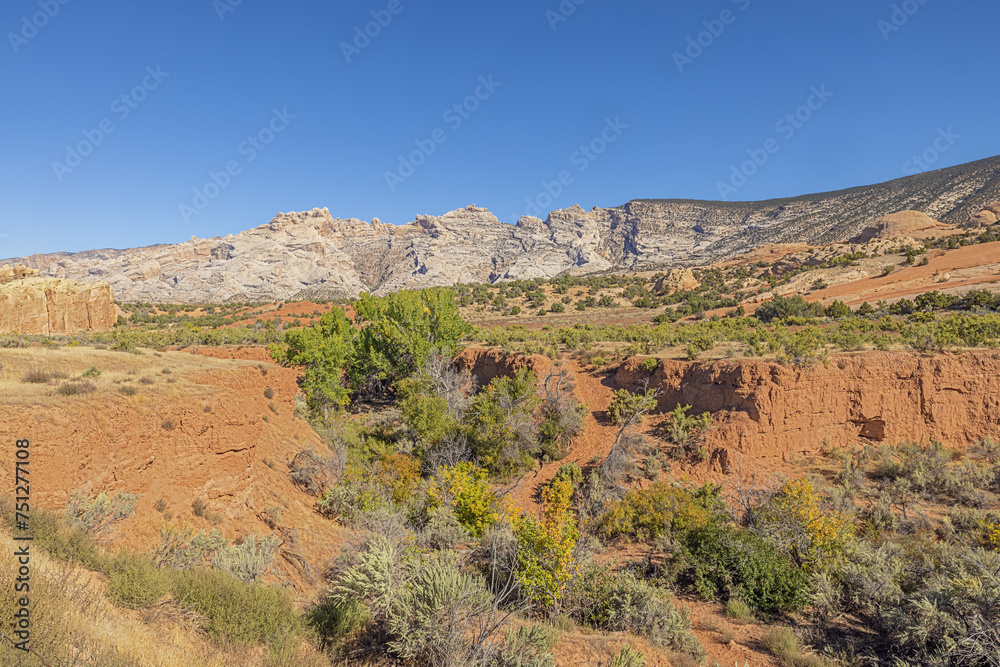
x=765 y=409
x=314 y=255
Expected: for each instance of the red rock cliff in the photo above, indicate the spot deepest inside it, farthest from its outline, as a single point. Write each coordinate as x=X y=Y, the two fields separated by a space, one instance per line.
x=766 y=409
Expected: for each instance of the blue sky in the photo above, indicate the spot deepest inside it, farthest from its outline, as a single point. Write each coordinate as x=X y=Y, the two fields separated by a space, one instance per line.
x=130 y=123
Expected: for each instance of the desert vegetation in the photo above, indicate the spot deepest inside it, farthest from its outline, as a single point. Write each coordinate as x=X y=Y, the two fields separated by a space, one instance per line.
x=871 y=555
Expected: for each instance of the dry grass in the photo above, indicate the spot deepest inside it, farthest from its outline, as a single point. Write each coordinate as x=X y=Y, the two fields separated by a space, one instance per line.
x=72 y=618
x=115 y=368
x=73 y=623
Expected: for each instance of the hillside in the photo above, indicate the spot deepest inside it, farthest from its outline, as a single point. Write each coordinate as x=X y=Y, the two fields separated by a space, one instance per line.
x=313 y=255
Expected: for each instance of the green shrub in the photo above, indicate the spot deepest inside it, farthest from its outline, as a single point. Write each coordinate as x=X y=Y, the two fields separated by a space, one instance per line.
x=650 y=365
x=333 y=621
x=570 y=472
x=838 y=310
x=727 y=562
x=626 y=406
x=621 y=602
x=628 y=658
x=185 y=549
x=246 y=614
x=782 y=307
x=428 y=416
x=72 y=545
x=97 y=515
x=250 y=559
x=682 y=429
x=134 y=582
x=91 y=372
x=502 y=419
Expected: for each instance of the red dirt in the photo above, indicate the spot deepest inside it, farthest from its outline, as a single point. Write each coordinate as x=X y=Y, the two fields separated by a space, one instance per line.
x=289 y=312
x=969 y=266
x=223 y=457
x=582 y=647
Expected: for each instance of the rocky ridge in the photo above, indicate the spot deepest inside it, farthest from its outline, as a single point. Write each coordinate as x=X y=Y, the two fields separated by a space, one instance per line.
x=313 y=255
x=30 y=304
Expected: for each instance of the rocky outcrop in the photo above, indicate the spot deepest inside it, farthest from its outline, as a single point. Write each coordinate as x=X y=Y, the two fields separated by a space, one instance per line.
x=766 y=409
x=905 y=224
x=314 y=255
x=30 y=304
x=984 y=218
x=677 y=280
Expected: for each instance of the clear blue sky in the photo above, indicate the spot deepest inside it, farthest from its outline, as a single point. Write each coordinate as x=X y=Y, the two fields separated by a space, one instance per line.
x=560 y=82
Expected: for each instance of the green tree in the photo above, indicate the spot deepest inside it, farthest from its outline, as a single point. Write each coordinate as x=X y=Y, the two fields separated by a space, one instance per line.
x=502 y=417
x=838 y=310
x=324 y=350
x=399 y=334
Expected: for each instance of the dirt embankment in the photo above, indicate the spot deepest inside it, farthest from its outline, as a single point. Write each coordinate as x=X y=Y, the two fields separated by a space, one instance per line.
x=486 y=365
x=765 y=409
x=224 y=434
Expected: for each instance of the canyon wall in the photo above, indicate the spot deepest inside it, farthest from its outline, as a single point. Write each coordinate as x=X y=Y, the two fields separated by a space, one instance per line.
x=30 y=304
x=766 y=409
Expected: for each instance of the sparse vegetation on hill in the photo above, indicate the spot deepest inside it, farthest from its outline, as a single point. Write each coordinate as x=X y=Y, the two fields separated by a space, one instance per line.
x=484 y=521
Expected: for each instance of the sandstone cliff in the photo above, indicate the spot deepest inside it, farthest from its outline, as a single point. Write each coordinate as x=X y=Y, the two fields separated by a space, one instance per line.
x=911 y=224
x=30 y=304
x=766 y=409
x=314 y=255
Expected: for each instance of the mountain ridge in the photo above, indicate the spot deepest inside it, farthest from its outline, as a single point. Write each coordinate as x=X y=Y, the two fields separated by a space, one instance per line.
x=314 y=255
